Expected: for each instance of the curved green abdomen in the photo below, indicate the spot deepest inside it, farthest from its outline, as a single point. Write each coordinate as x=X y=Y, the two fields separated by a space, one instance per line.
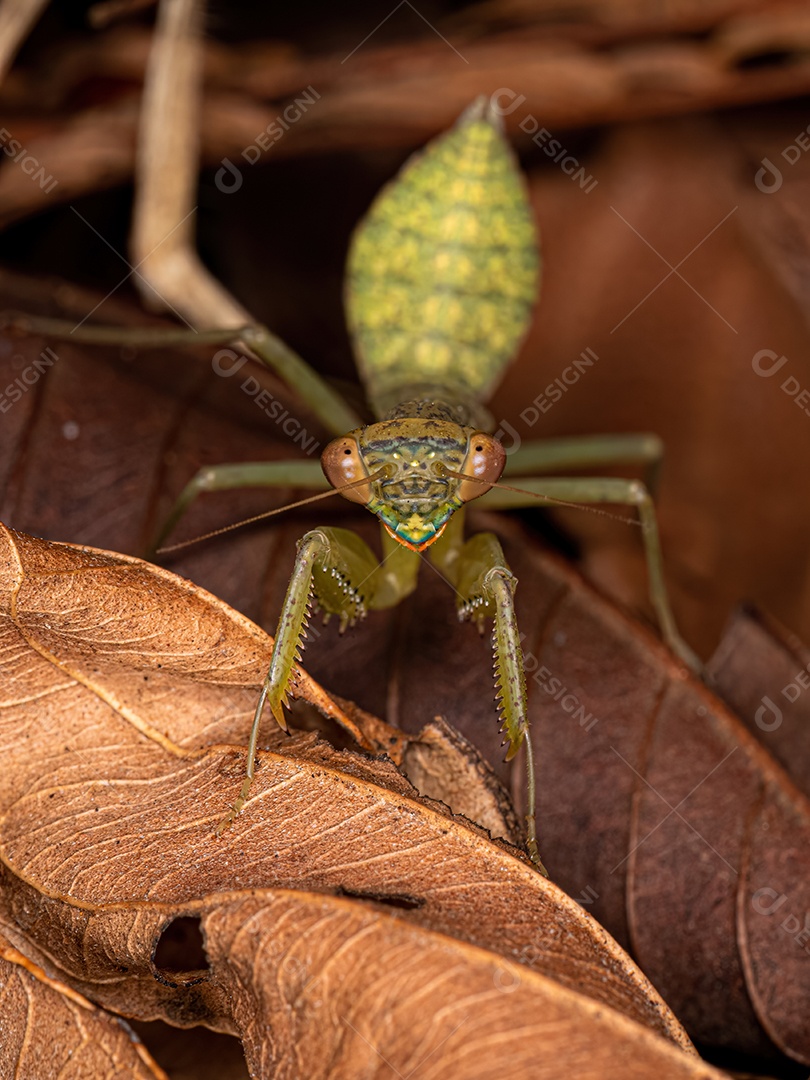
x=443 y=270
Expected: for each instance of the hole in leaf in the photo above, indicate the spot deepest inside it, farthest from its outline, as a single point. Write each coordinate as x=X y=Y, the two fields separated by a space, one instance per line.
x=306 y=717
x=179 y=957
x=396 y=900
x=193 y=1051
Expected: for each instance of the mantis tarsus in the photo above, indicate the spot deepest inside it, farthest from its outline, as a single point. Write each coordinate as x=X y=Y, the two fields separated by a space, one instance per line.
x=442 y=278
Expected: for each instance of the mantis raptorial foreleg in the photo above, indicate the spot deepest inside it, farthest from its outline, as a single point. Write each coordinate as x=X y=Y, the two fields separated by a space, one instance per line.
x=485 y=588
x=347 y=580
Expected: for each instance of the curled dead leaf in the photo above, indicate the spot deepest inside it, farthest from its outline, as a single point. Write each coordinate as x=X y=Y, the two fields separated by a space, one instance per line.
x=48 y=1029
x=122 y=684
x=353 y=991
x=763 y=672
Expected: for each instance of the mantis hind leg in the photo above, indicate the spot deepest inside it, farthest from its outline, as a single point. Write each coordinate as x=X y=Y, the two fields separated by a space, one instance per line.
x=485 y=587
x=339 y=570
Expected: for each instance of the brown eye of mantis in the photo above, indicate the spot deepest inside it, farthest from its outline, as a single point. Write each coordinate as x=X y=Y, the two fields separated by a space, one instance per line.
x=485 y=460
x=342 y=464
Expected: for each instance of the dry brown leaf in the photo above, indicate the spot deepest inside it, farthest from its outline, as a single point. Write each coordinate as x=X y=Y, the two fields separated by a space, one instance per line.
x=660 y=811
x=352 y=991
x=47 y=1029
x=122 y=683
x=442 y=764
x=675 y=356
x=762 y=671
x=657 y=809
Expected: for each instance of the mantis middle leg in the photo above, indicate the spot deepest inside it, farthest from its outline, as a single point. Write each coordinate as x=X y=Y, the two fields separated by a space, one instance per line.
x=600 y=489
x=289 y=474
x=549 y=456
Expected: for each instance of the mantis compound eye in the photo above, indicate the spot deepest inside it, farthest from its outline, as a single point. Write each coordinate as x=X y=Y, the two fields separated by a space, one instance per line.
x=342 y=464
x=485 y=460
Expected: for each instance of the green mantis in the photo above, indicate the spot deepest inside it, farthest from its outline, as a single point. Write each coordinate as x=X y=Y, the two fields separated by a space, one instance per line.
x=442 y=279
x=441 y=282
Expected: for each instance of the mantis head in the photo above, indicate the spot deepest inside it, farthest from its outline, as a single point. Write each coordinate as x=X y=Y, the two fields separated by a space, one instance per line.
x=419 y=473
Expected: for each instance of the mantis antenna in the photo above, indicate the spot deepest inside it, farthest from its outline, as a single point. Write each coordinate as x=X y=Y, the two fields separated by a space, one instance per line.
x=270 y=513
x=376 y=476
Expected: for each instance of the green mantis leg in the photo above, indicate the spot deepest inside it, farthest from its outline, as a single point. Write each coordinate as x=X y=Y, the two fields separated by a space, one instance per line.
x=587 y=452
x=609 y=490
x=485 y=588
x=297 y=474
x=253 y=338
x=347 y=580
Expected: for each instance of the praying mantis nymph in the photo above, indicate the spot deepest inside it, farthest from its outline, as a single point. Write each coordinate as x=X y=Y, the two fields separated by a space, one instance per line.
x=442 y=279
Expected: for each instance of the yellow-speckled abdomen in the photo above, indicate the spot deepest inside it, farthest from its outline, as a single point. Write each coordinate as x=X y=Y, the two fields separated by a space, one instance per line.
x=443 y=270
